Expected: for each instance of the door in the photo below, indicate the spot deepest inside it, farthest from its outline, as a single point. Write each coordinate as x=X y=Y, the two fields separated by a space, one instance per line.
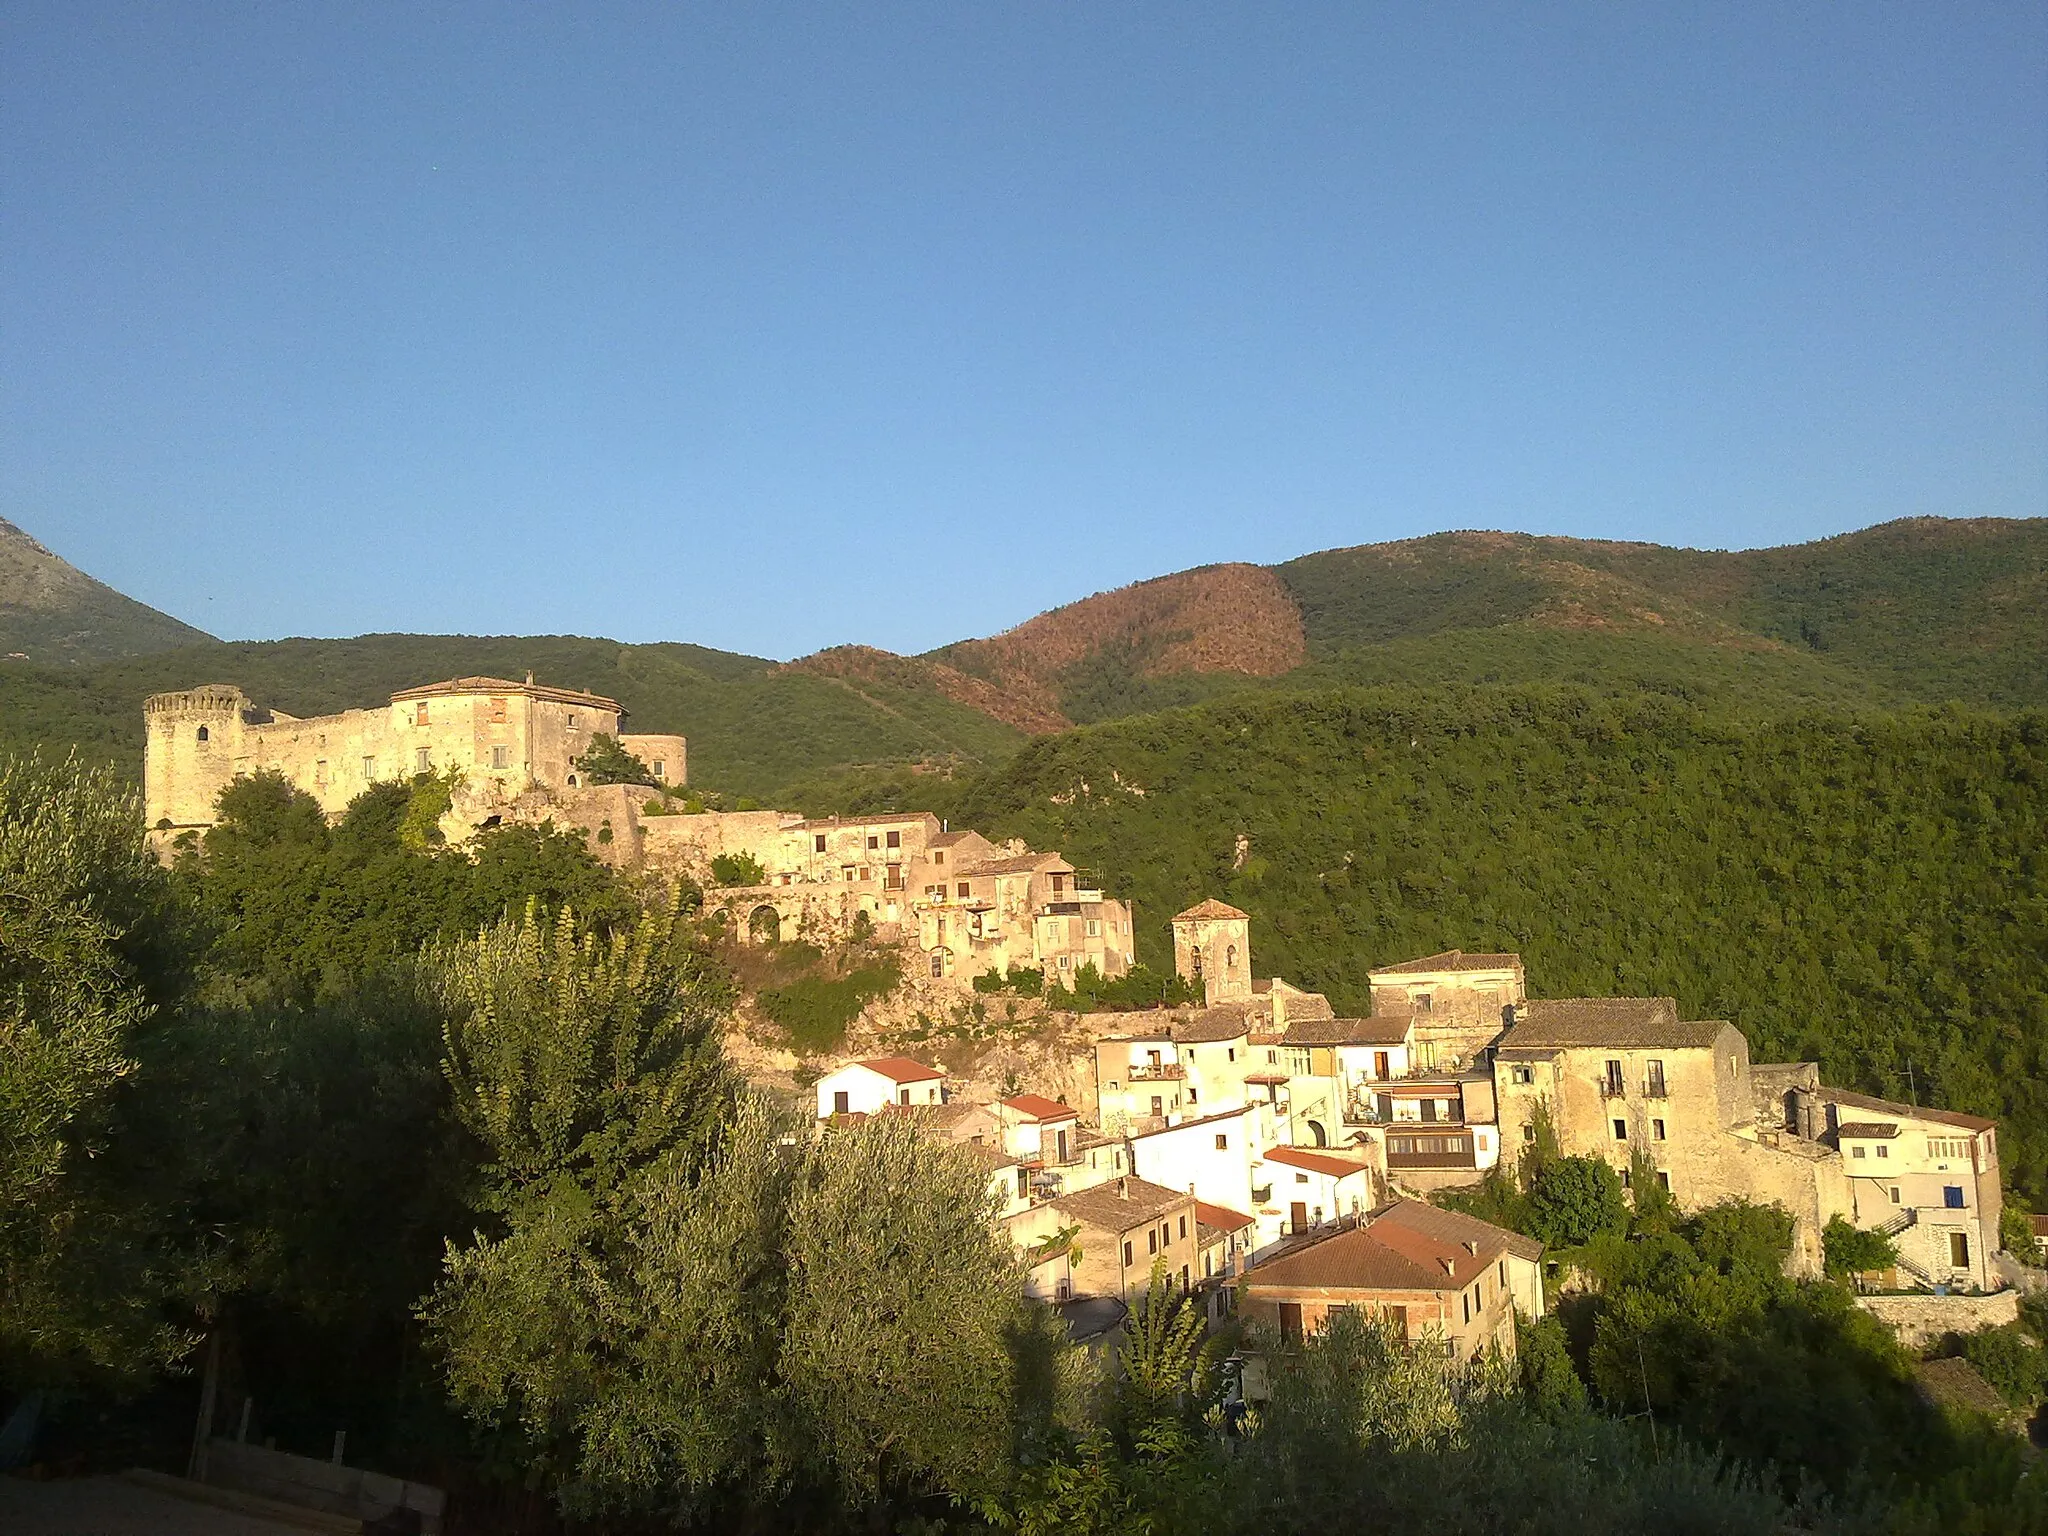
x=1380 y=1065
x=1290 y=1321
x=1297 y=1218
x=1063 y=1146
x=1959 y=1249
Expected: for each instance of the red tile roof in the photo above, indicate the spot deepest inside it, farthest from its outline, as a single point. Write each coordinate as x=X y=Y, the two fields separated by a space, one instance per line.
x=1035 y=1106
x=901 y=1069
x=462 y=687
x=1407 y=1246
x=1221 y=1217
x=1315 y=1162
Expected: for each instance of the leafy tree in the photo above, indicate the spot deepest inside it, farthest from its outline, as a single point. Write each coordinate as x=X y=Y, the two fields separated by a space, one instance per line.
x=1550 y=1382
x=737 y=869
x=1575 y=1200
x=1851 y=1250
x=2016 y=1232
x=604 y=761
x=79 y=1283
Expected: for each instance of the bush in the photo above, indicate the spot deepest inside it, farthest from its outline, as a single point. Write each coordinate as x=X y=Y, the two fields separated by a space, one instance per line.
x=2013 y=1363
x=2016 y=1232
x=813 y=1012
x=1853 y=1251
x=604 y=761
x=737 y=869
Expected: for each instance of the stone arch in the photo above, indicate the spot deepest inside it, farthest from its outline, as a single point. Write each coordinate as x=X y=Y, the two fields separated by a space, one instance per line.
x=764 y=924
x=1315 y=1129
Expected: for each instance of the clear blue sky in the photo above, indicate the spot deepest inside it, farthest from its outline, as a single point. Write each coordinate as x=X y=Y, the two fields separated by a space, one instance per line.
x=773 y=327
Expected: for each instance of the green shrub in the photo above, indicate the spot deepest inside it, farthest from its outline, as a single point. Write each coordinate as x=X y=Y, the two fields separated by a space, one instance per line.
x=604 y=761
x=737 y=869
x=2013 y=1363
x=1851 y=1250
x=1575 y=1200
x=813 y=1012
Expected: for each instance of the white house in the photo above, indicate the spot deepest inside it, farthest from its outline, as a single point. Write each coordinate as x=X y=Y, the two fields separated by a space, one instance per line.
x=862 y=1087
x=1038 y=1129
x=1300 y=1187
x=1211 y=1157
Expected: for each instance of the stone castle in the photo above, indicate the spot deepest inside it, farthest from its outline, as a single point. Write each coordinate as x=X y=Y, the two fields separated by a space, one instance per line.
x=503 y=740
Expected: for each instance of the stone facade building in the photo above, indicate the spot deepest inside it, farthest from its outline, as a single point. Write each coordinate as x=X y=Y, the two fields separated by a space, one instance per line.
x=502 y=739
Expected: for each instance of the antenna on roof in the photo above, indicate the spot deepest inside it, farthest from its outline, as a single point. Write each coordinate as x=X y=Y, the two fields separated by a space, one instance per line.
x=1912 y=1087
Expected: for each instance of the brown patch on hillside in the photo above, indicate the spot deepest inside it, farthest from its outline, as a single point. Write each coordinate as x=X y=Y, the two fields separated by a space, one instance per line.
x=862 y=664
x=1221 y=618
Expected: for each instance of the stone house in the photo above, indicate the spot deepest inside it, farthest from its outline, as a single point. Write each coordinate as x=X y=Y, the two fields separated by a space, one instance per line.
x=1459 y=1002
x=1212 y=946
x=503 y=740
x=882 y=1082
x=1435 y=1275
x=1126 y=1227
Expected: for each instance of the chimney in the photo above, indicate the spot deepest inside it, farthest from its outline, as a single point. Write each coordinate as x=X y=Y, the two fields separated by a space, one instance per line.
x=1123 y=1189
x=1450 y=1267
x=1471 y=1247
x=529 y=679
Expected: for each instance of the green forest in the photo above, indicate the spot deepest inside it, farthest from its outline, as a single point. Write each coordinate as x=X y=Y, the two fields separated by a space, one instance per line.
x=440 y=1147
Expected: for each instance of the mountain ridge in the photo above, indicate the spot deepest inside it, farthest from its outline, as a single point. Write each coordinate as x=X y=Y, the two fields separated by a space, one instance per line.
x=51 y=611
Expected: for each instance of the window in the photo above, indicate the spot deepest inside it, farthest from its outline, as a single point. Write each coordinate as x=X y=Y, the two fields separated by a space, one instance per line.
x=1230 y=1053
x=1422 y=1002
x=1183 y=1226
x=863 y=872
x=1094 y=928
x=1656 y=1080
x=1664 y=1178
x=1524 y=1075
x=1657 y=1130
x=1023 y=1183
x=1301 y=1178
x=1158 y=1106
x=874 y=842
x=840 y=1103
x=1127 y=1255
x=1894 y=1192
x=1883 y=1150
x=501 y=757
x=369 y=768
x=422 y=760
x=895 y=839
x=1613 y=1081
x=1230 y=961
x=1855 y=1152
x=964 y=889
x=938 y=963
x=203 y=733
x=1381 y=1064
x=660 y=768
x=1465 y=1297
x=903 y=1096
x=1195 y=960
x=419 y=713
x=938 y=855
x=320 y=772
x=497 y=711
x=1222 y=1143
x=1959 y=1249
x=1066 y=962
x=818 y=843
x=1952 y=1196
x=1621 y=1130
x=847 y=871
x=571 y=722
x=1528 y=1131
x=1151 y=1241
x=1503 y=1269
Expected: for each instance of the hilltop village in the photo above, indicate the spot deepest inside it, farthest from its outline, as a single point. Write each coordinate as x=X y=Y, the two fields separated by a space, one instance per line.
x=1254 y=1146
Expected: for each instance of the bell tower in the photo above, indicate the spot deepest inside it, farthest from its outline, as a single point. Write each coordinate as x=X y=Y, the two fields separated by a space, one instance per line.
x=1212 y=946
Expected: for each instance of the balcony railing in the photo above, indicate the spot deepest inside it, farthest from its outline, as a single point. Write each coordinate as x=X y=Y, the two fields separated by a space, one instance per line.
x=1611 y=1088
x=1168 y=1072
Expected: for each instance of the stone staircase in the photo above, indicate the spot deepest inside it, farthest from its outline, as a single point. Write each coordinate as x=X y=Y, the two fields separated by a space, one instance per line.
x=1893 y=1228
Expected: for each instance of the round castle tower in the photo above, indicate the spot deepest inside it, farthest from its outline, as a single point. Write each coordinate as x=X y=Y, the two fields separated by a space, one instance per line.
x=193 y=738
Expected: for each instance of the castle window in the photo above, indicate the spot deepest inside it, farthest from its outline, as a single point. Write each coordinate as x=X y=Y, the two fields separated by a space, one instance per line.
x=203 y=734
x=1657 y=1132
x=419 y=713
x=369 y=769
x=1230 y=961
x=660 y=769
x=1621 y=1130
x=501 y=757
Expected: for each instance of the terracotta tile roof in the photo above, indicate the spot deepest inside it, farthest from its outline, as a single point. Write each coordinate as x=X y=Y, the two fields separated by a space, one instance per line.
x=1907 y=1111
x=1407 y=1246
x=949 y=839
x=1614 y=1023
x=1381 y=1029
x=1211 y=909
x=857 y=823
x=1035 y=1106
x=1016 y=864
x=1866 y=1130
x=992 y=1159
x=901 y=1069
x=1315 y=1162
x=1226 y=1021
x=1220 y=1218
x=1121 y=1204
x=463 y=686
x=1268 y=1077
x=1449 y=960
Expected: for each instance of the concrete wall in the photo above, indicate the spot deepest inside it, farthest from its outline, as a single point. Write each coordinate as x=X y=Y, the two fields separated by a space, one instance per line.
x=322 y=1485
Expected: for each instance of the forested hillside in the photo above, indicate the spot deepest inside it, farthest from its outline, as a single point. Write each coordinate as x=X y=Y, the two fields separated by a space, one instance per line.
x=1868 y=891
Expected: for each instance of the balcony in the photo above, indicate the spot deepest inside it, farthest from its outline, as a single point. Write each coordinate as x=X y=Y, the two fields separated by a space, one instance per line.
x=1439 y=1151
x=1168 y=1073
x=1612 y=1088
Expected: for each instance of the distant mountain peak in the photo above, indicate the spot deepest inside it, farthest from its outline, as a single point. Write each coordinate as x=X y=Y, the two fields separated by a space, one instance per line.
x=52 y=612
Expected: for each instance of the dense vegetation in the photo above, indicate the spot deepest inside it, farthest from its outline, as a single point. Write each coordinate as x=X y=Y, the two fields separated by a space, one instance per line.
x=1868 y=892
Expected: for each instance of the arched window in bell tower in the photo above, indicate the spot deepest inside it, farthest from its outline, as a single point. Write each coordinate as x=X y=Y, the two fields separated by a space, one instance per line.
x=1195 y=958
x=1230 y=961
x=202 y=733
